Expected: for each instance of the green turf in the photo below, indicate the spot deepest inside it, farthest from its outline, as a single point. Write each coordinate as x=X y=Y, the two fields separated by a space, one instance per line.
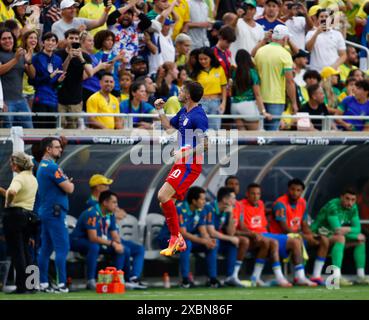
x=346 y=293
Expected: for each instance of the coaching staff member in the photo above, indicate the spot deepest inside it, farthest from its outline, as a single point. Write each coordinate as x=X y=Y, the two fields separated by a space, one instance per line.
x=19 y=202
x=54 y=187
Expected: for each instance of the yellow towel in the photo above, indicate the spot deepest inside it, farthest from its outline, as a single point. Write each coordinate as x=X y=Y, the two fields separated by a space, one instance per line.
x=305 y=255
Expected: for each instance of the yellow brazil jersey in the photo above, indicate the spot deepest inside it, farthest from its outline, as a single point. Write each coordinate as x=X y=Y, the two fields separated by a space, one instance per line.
x=94 y=11
x=98 y=104
x=172 y=106
x=124 y=96
x=272 y=61
x=344 y=71
x=351 y=15
x=183 y=12
x=212 y=81
x=361 y=14
x=6 y=13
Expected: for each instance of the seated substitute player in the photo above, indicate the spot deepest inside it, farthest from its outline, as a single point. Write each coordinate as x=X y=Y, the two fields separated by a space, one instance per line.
x=98 y=184
x=220 y=225
x=253 y=223
x=290 y=217
x=192 y=217
x=96 y=233
x=192 y=124
x=339 y=220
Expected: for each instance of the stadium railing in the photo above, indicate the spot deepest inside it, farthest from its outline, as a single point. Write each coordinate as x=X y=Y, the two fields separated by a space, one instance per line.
x=327 y=121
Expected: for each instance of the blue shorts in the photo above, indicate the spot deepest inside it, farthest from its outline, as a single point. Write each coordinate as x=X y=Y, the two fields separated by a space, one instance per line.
x=282 y=242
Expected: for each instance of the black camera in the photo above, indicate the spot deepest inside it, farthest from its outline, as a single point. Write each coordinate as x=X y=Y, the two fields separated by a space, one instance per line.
x=76 y=45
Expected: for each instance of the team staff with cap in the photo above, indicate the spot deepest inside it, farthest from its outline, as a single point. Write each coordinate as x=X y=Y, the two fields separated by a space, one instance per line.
x=19 y=202
x=98 y=184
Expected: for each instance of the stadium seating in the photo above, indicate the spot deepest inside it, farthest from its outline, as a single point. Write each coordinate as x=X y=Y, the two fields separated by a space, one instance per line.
x=129 y=229
x=154 y=223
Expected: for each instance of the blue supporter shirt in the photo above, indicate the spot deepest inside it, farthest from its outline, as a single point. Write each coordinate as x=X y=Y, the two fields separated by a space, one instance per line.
x=216 y=218
x=351 y=107
x=92 y=83
x=144 y=107
x=49 y=176
x=268 y=25
x=45 y=87
x=190 y=125
x=93 y=219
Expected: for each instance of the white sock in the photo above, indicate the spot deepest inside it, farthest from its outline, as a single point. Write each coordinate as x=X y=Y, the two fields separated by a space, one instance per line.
x=278 y=271
x=237 y=268
x=300 y=272
x=361 y=272
x=318 y=267
x=337 y=272
x=258 y=269
x=60 y=285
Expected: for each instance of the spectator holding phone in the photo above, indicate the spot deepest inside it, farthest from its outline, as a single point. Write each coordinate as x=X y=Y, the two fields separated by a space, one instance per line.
x=326 y=45
x=75 y=64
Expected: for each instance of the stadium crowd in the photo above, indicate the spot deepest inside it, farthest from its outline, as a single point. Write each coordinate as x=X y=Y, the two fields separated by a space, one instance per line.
x=233 y=225
x=255 y=59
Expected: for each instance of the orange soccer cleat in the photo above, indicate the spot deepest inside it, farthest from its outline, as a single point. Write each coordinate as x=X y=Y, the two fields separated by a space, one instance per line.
x=176 y=244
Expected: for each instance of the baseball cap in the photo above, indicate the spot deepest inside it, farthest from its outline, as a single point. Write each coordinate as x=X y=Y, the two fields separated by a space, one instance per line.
x=18 y=3
x=250 y=3
x=300 y=54
x=328 y=71
x=98 y=179
x=278 y=2
x=168 y=22
x=280 y=31
x=137 y=59
x=68 y=3
x=313 y=10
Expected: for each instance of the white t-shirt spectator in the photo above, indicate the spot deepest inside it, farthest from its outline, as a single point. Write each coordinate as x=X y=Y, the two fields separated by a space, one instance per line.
x=247 y=37
x=198 y=13
x=155 y=60
x=61 y=26
x=296 y=26
x=325 y=50
x=168 y=51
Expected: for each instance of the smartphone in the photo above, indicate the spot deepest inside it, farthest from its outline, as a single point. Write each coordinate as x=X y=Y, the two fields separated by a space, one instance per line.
x=76 y=45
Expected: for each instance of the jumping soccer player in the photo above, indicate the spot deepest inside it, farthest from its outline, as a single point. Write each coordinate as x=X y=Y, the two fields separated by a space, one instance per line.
x=191 y=123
